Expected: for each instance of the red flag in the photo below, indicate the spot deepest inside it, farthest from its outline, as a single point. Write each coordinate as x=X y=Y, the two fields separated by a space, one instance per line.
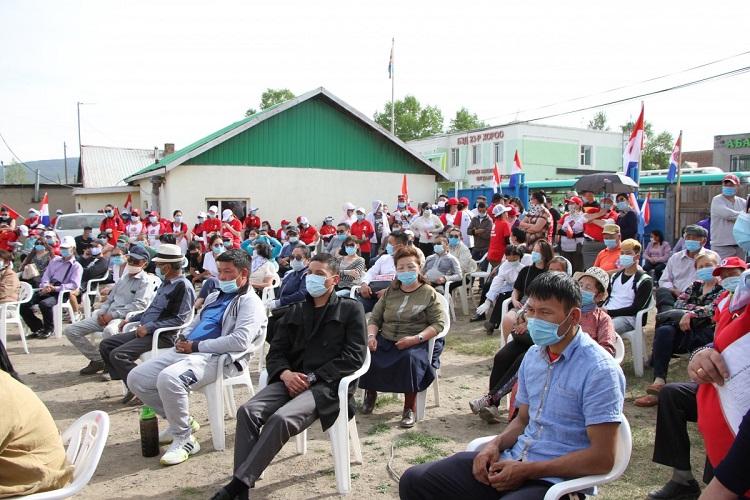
x=11 y=213
x=128 y=204
x=405 y=189
x=44 y=210
x=495 y=179
x=646 y=210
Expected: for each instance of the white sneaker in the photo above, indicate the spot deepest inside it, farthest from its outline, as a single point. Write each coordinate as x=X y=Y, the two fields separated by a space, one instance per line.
x=166 y=437
x=77 y=317
x=477 y=404
x=180 y=450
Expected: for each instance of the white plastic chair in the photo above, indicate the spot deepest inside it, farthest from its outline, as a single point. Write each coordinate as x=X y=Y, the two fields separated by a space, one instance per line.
x=461 y=290
x=505 y=308
x=92 y=287
x=85 y=438
x=57 y=313
x=638 y=340
x=24 y=295
x=422 y=396
x=341 y=433
x=619 y=349
x=219 y=394
x=622 y=458
x=266 y=298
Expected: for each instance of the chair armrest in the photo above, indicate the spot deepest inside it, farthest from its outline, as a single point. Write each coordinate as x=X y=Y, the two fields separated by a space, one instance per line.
x=354 y=291
x=478 y=443
x=129 y=326
x=159 y=331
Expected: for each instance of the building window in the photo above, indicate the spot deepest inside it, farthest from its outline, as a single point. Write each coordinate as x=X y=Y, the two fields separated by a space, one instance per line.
x=739 y=163
x=586 y=156
x=238 y=207
x=476 y=155
x=499 y=150
x=454 y=157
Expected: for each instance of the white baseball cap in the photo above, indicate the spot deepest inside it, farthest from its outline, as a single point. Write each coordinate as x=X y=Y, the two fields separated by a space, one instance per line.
x=214 y=209
x=67 y=242
x=226 y=215
x=202 y=215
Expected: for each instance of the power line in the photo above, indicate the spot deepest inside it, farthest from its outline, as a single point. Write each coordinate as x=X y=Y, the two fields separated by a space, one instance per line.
x=621 y=87
x=31 y=169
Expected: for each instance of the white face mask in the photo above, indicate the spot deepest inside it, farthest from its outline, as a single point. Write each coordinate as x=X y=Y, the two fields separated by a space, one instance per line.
x=132 y=269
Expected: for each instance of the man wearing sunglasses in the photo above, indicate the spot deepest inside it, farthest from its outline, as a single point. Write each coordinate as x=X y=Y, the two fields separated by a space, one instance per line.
x=334 y=244
x=131 y=293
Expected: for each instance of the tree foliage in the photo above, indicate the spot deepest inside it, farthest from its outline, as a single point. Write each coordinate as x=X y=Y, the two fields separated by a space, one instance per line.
x=465 y=120
x=599 y=122
x=412 y=120
x=271 y=97
x=657 y=148
x=15 y=173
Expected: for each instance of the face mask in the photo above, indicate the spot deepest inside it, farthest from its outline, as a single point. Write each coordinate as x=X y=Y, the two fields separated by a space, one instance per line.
x=153 y=220
x=125 y=217
x=253 y=212
x=536 y=257
x=587 y=298
x=706 y=274
x=217 y=250
x=109 y=214
x=454 y=241
x=95 y=251
x=441 y=204
x=264 y=228
x=141 y=243
x=728 y=191
x=297 y=265
x=389 y=249
x=159 y=274
x=402 y=205
x=50 y=241
x=621 y=205
x=606 y=206
x=741 y=231
x=229 y=286
x=360 y=217
x=39 y=248
x=340 y=236
x=544 y=333
x=211 y=216
x=178 y=219
x=305 y=225
x=293 y=239
x=730 y=284
x=227 y=244
x=515 y=264
x=134 y=269
x=316 y=285
x=117 y=260
x=626 y=260
x=201 y=220
x=407 y=278
x=427 y=212
x=438 y=249
x=350 y=250
x=66 y=252
x=610 y=244
x=482 y=216
x=103 y=241
x=692 y=245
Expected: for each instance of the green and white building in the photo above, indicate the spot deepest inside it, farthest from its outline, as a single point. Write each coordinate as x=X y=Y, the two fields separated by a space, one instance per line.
x=547 y=152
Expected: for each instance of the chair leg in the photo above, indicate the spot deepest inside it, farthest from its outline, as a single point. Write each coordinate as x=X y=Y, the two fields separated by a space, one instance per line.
x=436 y=385
x=229 y=402
x=464 y=299
x=354 y=440
x=23 y=337
x=301 y=440
x=421 y=404
x=339 y=435
x=638 y=351
x=215 y=398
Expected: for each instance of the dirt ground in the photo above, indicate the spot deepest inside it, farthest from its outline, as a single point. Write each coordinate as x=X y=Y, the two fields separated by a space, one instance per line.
x=51 y=369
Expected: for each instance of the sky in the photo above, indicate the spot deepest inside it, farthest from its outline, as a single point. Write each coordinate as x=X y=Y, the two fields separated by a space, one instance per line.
x=153 y=72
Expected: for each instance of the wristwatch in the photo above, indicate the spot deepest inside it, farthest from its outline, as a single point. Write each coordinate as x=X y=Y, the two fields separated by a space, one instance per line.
x=421 y=338
x=311 y=378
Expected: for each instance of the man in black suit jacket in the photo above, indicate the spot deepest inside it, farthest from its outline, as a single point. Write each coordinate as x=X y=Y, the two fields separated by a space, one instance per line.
x=317 y=343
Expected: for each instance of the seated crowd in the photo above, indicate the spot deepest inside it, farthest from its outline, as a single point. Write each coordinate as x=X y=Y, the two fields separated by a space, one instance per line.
x=305 y=291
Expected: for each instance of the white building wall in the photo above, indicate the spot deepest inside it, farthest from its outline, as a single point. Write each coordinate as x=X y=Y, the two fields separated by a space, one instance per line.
x=286 y=193
x=96 y=202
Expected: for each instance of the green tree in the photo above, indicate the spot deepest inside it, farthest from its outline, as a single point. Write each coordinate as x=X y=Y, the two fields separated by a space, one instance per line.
x=657 y=147
x=412 y=120
x=599 y=122
x=15 y=173
x=270 y=98
x=465 y=121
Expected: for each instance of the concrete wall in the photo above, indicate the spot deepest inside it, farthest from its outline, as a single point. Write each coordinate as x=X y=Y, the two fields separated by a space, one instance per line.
x=284 y=193
x=96 y=202
x=740 y=146
x=20 y=199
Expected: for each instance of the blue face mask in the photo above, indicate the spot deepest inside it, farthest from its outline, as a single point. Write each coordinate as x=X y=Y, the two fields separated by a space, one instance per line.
x=706 y=273
x=350 y=250
x=427 y=212
x=454 y=241
x=264 y=228
x=95 y=251
x=297 y=265
x=217 y=250
x=340 y=236
x=587 y=298
x=66 y=252
x=39 y=248
x=140 y=243
x=316 y=285
x=482 y=216
x=402 y=205
x=730 y=284
x=536 y=257
x=621 y=205
x=438 y=249
x=626 y=260
x=159 y=274
x=389 y=249
x=2 y=266
x=728 y=191
x=50 y=241
x=741 y=231
x=692 y=245
x=178 y=219
x=117 y=260
x=606 y=206
x=407 y=278
x=610 y=244
x=227 y=244
x=293 y=240
x=360 y=217
x=543 y=332
x=229 y=286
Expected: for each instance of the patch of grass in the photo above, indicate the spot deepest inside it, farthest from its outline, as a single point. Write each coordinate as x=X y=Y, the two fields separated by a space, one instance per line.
x=379 y=428
x=385 y=401
x=383 y=488
x=368 y=442
x=477 y=346
x=464 y=387
x=428 y=442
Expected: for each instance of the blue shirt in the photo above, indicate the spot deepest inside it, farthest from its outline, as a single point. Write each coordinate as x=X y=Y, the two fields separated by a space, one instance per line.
x=210 y=324
x=585 y=386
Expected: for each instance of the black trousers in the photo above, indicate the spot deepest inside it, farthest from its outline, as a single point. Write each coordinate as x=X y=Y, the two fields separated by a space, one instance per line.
x=664 y=300
x=506 y=363
x=120 y=352
x=497 y=310
x=46 y=306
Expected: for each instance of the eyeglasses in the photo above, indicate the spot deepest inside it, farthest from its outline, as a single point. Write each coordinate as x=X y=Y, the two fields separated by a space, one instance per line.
x=297 y=257
x=340 y=232
x=135 y=262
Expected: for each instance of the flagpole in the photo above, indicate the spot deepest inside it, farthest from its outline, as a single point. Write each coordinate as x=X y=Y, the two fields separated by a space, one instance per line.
x=677 y=194
x=393 y=86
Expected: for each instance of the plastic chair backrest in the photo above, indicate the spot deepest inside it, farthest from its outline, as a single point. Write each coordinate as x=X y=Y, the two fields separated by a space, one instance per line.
x=24 y=295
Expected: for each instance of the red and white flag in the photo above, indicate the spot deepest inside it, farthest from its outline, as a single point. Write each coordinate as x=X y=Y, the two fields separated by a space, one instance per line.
x=128 y=204
x=515 y=171
x=496 y=180
x=646 y=210
x=405 y=190
x=44 y=211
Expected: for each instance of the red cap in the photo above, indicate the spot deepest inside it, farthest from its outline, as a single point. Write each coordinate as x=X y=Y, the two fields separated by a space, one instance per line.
x=228 y=234
x=401 y=197
x=284 y=223
x=452 y=201
x=576 y=200
x=136 y=212
x=154 y=214
x=731 y=177
x=730 y=263
x=464 y=201
x=512 y=212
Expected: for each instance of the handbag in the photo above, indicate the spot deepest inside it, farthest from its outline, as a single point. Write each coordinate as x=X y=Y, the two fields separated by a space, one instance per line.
x=671 y=316
x=29 y=271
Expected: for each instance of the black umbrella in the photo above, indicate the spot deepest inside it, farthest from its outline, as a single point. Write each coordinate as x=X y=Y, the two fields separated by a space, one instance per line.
x=614 y=182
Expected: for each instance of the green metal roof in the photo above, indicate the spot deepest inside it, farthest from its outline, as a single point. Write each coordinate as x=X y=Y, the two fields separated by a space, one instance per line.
x=316 y=130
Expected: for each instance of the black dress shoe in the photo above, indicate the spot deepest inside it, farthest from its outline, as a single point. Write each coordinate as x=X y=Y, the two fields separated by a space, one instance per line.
x=368 y=405
x=92 y=368
x=407 y=419
x=33 y=335
x=676 y=491
x=45 y=334
x=222 y=495
x=127 y=398
x=478 y=317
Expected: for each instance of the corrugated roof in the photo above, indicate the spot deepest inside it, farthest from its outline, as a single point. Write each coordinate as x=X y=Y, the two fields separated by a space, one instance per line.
x=108 y=167
x=200 y=146
x=703 y=158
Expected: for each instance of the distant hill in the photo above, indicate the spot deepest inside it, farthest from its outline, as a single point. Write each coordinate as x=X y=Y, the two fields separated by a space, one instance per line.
x=54 y=170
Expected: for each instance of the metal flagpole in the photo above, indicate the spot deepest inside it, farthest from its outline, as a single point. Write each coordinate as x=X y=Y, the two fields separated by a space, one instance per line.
x=677 y=195
x=393 y=86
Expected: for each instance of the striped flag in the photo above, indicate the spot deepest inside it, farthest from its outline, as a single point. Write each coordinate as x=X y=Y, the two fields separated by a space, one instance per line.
x=496 y=181
x=646 y=210
x=44 y=209
x=515 y=171
x=128 y=204
x=674 y=159
x=632 y=155
x=390 y=64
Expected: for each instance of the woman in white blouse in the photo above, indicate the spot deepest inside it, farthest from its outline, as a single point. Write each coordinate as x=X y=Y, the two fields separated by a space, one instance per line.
x=425 y=228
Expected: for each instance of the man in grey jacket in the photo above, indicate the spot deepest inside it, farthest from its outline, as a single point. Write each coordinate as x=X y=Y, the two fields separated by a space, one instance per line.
x=232 y=321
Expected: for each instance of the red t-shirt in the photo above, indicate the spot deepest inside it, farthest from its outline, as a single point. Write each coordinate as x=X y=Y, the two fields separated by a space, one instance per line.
x=237 y=226
x=327 y=232
x=252 y=221
x=116 y=225
x=592 y=229
x=500 y=231
x=456 y=219
x=211 y=225
x=362 y=229
x=307 y=235
x=6 y=238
